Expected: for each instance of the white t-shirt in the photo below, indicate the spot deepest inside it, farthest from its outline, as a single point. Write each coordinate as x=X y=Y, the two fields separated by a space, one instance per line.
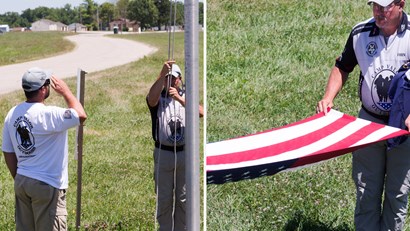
x=168 y=121
x=37 y=134
x=379 y=61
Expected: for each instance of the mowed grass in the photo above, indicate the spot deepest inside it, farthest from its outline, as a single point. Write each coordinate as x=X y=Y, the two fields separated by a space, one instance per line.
x=267 y=66
x=17 y=47
x=118 y=189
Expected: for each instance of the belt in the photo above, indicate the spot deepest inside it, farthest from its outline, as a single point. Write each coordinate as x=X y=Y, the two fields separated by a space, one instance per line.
x=169 y=148
x=385 y=118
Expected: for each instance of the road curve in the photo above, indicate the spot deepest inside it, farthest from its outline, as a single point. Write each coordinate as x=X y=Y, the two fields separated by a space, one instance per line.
x=93 y=52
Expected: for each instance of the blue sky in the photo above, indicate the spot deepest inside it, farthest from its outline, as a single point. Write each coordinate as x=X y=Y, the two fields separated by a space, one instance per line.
x=20 y=5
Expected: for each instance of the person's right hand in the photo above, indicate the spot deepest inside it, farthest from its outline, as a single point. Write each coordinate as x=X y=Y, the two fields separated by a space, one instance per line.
x=59 y=85
x=166 y=68
x=322 y=106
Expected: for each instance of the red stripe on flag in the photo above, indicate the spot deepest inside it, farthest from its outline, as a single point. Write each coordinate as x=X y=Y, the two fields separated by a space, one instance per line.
x=342 y=145
x=276 y=149
x=314 y=117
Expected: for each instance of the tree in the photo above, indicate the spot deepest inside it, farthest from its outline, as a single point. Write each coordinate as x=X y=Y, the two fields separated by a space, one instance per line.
x=87 y=11
x=107 y=12
x=66 y=15
x=163 y=12
x=54 y=14
x=201 y=13
x=13 y=19
x=180 y=17
x=143 y=11
x=28 y=14
x=179 y=13
x=40 y=13
x=122 y=8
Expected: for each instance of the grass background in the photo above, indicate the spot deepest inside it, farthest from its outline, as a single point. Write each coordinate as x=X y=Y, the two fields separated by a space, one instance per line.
x=16 y=48
x=118 y=187
x=267 y=66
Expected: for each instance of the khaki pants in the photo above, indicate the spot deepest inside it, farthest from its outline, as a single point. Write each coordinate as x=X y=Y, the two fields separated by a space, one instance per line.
x=164 y=184
x=39 y=206
x=376 y=170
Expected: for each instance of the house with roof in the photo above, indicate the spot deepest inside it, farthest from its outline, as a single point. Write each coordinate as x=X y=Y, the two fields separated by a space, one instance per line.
x=76 y=27
x=48 y=25
x=61 y=26
x=125 y=25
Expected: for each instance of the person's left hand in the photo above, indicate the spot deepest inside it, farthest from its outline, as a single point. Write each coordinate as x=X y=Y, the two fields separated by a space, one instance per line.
x=173 y=92
x=407 y=123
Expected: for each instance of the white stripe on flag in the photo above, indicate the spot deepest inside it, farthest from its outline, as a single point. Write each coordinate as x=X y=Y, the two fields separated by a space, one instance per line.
x=315 y=146
x=377 y=135
x=270 y=138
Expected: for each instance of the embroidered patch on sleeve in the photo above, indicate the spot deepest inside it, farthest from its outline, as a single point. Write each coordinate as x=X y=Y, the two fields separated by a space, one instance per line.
x=67 y=114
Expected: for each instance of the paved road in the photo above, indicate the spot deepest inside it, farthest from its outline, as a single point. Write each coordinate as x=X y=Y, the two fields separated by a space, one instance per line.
x=93 y=52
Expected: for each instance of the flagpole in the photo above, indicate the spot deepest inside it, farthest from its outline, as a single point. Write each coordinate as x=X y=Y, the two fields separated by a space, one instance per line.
x=192 y=115
x=79 y=151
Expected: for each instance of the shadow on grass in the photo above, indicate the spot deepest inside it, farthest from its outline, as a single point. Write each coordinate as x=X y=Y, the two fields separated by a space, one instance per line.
x=299 y=222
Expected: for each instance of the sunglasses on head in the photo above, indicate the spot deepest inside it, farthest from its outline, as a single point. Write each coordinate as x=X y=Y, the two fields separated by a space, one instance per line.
x=171 y=76
x=47 y=82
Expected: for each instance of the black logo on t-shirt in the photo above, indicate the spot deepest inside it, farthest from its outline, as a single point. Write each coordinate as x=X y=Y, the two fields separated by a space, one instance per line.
x=381 y=86
x=24 y=136
x=371 y=49
x=176 y=130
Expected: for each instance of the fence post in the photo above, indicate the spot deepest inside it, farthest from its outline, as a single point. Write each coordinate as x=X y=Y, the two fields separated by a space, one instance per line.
x=79 y=149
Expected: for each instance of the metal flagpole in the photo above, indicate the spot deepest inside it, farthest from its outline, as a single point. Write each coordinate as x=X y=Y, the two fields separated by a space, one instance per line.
x=192 y=115
x=79 y=151
x=169 y=30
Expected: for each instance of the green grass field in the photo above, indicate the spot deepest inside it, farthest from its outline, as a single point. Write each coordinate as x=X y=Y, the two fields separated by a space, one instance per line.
x=267 y=66
x=20 y=47
x=118 y=188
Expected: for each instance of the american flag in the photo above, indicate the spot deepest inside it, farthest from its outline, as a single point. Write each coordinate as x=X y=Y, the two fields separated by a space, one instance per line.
x=305 y=142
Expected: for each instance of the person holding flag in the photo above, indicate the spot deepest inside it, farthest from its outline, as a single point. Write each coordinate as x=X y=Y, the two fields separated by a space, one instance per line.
x=380 y=46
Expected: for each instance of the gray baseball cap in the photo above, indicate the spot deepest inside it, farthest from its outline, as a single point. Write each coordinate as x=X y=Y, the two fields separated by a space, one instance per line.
x=382 y=3
x=175 y=71
x=35 y=78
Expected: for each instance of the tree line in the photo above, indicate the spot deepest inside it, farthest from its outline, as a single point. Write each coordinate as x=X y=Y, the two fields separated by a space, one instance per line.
x=149 y=13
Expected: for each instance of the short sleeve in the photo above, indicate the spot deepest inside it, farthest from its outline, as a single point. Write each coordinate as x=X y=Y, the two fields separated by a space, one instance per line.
x=7 y=145
x=347 y=60
x=60 y=119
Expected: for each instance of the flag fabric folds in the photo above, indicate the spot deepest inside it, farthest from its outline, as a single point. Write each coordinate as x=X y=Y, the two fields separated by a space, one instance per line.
x=305 y=142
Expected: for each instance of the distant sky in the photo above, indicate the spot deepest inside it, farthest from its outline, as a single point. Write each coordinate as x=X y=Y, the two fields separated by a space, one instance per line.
x=21 y=5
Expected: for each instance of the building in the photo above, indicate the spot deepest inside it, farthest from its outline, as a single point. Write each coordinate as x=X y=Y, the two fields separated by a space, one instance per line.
x=61 y=26
x=4 y=28
x=76 y=27
x=48 y=25
x=125 y=25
